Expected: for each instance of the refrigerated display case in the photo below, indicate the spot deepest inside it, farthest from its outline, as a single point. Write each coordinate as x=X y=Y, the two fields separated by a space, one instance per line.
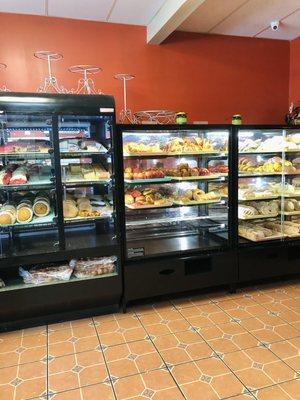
x=177 y=183
x=268 y=201
x=58 y=203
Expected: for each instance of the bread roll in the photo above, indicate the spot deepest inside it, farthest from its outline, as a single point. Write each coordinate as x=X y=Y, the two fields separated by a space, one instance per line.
x=7 y=218
x=41 y=208
x=24 y=213
x=70 y=210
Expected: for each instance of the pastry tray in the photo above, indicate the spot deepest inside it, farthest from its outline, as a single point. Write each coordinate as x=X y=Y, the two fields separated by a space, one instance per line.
x=29 y=184
x=132 y=207
x=291 y=195
x=83 y=219
x=48 y=219
x=145 y=154
x=259 y=216
x=82 y=152
x=83 y=181
x=290 y=212
x=194 y=202
x=274 y=237
x=154 y=180
x=269 y=197
x=196 y=178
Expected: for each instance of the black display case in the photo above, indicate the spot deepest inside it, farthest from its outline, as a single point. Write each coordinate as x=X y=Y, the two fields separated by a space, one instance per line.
x=58 y=202
x=268 y=201
x=178 y=182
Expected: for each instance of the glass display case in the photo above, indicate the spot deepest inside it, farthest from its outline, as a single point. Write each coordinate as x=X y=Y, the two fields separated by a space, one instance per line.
x=58 y=205
x=176 y=189
x=28 y=213
x=87 y=179
x=268 y=184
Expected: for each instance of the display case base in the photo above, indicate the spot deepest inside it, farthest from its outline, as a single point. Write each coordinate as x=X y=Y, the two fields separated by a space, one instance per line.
x=170 y=275
x=268 y=261
x=46 y=304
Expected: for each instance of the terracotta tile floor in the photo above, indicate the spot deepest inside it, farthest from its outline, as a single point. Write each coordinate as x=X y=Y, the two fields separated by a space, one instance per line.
x=213 y=346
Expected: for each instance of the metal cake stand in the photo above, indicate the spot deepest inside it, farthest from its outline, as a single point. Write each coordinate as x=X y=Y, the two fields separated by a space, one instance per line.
x=86 y=84
x=125 y=114
x=50 y=84
x=3 y=88
x=155 y=117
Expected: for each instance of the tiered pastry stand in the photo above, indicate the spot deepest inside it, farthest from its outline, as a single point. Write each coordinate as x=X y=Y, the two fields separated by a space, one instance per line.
x=155 y=117
x=3 y=88
x=86 y=84
x=125 y=114
x=50 y=82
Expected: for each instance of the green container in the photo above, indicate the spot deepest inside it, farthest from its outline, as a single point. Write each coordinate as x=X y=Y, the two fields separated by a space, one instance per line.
x=237 y=119
x=181 y=118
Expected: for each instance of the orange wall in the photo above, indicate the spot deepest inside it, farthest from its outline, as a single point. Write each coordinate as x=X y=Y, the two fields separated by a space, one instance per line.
x=209 y=77
x=295 y=72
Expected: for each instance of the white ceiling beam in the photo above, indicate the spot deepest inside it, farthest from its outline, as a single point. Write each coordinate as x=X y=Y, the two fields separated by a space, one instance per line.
x=170 y=16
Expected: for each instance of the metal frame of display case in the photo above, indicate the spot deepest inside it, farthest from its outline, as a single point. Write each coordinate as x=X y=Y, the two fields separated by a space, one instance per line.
x=34 y=305
x=269 y=259
x=167 y=273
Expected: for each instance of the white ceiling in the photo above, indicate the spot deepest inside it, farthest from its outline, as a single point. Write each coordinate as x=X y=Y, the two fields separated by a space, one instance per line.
x=227 y=17
x=246 y=18
x=136 y=12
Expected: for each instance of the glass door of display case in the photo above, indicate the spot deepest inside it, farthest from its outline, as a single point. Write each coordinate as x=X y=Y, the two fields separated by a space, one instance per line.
x=290 y=204
x=28 y=212
x=87 y=181
x=268 y=192
x=176 y=190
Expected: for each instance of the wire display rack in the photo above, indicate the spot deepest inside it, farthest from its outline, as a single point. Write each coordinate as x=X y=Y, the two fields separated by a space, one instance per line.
x=126 y=114
x=155 y=117
x=86 y=84
x=50 y=84
x=3 y=88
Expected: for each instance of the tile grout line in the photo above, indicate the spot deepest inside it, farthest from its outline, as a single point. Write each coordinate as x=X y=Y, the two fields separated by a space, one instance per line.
x=165 y=364
x=198 y=331
x=261 y=342
x=47 y=365
x=105 y=362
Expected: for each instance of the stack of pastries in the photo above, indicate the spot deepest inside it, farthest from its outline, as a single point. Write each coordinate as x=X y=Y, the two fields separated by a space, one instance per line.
x=86 y=172
x=174 y=145
x=85 y=207
x=196 y=195
x=271 y=165
x=24 y=209
x=148 y=197
x=268 y=229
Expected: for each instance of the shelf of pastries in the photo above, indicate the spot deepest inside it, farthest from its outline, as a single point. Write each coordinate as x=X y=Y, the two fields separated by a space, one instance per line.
x=258 y=210
x=27 y=211
x=35 y=149
x=25 y=176
x=86 y=208
x=58 y=273
x=250 y=166
x=167 y=197
x=173 y=146
x=74 y=147
x=275 y=144
x=269 y=230
x=77 y=174
x=180 y=172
